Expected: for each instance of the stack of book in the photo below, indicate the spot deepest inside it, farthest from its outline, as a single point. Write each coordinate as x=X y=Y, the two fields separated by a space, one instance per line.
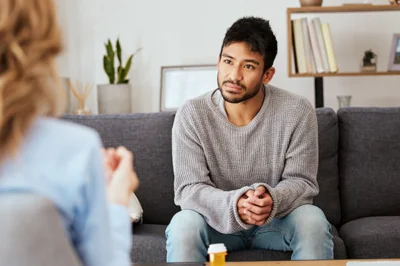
x=313 y=49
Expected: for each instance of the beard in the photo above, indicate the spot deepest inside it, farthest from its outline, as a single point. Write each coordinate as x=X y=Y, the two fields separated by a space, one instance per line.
x=234 y=98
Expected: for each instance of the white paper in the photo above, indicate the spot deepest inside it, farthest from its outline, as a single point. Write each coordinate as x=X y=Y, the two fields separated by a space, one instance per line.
x=135 y=209
x=373 y=263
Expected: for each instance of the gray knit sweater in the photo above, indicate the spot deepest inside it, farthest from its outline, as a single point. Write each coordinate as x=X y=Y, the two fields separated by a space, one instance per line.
x=215 y=162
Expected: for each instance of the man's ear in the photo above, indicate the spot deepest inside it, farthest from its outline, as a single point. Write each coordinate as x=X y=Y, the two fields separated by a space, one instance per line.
x=219 y=60
x=268 y=75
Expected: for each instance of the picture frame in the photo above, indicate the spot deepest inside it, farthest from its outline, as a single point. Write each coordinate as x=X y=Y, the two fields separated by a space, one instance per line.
x=181 y=83
x=394 y=56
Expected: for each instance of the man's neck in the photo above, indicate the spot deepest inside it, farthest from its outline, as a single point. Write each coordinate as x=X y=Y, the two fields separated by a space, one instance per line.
x=241 y=114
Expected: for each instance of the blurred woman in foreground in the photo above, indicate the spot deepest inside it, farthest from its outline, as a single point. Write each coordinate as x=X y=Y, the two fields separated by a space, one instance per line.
x=43 y=155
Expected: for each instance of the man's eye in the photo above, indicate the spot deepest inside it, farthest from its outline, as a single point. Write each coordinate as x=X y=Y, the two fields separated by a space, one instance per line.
x=227 y=61
x=249 y=66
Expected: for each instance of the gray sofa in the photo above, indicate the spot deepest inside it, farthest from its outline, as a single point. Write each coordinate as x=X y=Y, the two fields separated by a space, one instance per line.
x=359 y=178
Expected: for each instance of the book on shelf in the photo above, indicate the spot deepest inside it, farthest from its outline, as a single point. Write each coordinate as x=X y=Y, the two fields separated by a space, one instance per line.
x=326 y=32
x=312 y=45
x=300 y=54
x=296 y=69
x=315 y=47
x=310 y=63
x=321 y=43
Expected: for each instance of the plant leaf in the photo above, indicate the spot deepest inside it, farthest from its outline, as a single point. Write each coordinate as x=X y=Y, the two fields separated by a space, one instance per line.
x=127 y=66
x=108 y=62
x=120 y=74
x=110 y=50
x=119 y=52
x=108 y=66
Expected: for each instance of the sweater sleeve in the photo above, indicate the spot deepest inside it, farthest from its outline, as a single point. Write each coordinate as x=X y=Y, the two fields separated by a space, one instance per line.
x=103 y=230
x=298 y=183
x=193 y=187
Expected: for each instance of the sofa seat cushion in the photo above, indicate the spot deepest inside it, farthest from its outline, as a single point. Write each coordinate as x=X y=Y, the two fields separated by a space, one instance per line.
x=372 y=237
x=149 y=245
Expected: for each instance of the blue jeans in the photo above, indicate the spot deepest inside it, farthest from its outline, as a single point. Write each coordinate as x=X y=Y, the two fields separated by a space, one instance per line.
x=305 y=231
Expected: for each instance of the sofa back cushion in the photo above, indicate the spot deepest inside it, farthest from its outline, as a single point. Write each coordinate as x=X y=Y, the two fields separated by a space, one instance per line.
x=149 y=137
x=369 y=162
x=328 y=177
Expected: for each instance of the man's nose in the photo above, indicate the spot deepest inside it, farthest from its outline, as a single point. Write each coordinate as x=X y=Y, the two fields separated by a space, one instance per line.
x=236 y=74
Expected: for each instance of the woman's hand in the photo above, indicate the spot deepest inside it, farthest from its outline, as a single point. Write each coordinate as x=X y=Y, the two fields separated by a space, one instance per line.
x=121 y=177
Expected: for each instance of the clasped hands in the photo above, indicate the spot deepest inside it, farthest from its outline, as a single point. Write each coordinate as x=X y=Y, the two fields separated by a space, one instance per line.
x=255 y=206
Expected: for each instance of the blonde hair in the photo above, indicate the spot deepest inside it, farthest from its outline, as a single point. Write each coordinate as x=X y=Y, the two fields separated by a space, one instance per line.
x=29 y=86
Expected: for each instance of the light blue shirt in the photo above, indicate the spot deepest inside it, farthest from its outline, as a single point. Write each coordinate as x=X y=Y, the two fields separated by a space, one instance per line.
x=62 y=161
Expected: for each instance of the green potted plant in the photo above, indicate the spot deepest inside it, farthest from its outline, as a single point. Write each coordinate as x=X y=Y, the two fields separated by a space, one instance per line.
x=369 y=61
x=115 y=97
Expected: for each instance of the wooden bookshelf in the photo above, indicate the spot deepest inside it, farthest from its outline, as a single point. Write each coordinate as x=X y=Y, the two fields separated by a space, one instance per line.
x=346 y=8
x=346 y=74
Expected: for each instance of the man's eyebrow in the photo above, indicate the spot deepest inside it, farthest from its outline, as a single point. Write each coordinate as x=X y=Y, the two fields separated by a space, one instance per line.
x=252 y=61
x=226 y=55
x=246 y=60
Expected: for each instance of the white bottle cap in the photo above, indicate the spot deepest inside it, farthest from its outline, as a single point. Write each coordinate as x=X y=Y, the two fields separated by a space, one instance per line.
x=216 y=248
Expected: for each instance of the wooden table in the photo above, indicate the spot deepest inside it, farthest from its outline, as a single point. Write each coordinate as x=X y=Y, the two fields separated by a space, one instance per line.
x=301 y=263
x=272 y=263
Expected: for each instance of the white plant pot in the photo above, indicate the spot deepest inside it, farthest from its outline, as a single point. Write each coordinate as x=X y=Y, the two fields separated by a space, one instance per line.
x=114 y=98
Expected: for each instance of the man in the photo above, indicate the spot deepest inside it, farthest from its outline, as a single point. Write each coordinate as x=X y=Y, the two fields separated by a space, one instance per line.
x=245 y=160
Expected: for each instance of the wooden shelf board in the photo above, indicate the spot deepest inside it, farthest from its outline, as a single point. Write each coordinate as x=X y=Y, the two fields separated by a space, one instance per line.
x=345 y=74
x=344 y=8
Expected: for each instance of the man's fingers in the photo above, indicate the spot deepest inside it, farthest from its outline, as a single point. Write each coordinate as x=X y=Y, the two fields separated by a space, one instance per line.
x=263 y=202
x=256 y=209
x=241 y=202
x=258 y=218
x=259 y=191
x=249 y=193
x=245 y=217
x=248 y=220
x=246 y=211
x=260 y=223
x=254 y=218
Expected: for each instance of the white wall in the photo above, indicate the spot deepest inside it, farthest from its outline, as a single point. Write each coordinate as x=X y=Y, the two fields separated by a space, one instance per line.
x=185 y=32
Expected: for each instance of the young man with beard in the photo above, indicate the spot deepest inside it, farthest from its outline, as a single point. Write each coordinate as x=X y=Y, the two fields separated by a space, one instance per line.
x=245 y=160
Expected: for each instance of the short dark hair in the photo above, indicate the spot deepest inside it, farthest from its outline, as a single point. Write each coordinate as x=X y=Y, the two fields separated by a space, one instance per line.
x=257 y=33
